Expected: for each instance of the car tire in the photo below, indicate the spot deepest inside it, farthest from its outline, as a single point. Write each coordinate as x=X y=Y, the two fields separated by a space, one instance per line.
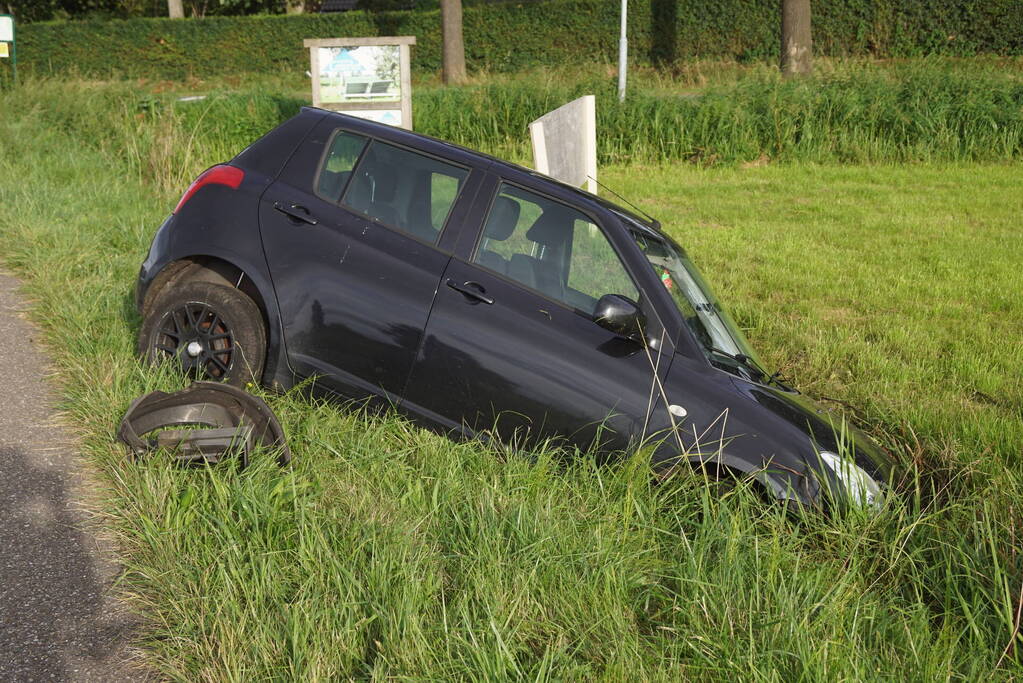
x=210 y=331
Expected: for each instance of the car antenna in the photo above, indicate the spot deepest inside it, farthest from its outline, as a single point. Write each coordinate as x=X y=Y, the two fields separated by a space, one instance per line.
x=656 y=223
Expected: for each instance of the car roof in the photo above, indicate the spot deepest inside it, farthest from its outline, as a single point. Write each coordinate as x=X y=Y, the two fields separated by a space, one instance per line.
x=487 y=161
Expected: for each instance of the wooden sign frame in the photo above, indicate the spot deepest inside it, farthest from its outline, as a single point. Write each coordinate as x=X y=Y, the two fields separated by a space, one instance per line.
x=404 y=103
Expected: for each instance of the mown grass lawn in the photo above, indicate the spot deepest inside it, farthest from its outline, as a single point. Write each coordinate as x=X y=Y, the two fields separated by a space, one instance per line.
x=386 y=551
x=896 y=289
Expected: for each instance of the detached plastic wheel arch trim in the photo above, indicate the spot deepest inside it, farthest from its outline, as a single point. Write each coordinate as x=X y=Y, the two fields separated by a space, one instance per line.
x=236 y=421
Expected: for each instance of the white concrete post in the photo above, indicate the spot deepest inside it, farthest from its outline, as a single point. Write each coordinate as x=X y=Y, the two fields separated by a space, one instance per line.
x=565 y=143
x=623 y=51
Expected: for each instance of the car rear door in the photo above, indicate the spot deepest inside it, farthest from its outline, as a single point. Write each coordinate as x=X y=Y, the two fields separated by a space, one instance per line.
x=510 y=343
x=355 y=232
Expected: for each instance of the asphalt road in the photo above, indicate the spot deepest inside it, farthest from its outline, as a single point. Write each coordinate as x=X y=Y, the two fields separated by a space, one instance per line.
x=58 y=618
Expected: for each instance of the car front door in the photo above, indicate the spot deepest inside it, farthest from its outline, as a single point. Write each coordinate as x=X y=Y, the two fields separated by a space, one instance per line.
x=511 y=344
x=352 y=232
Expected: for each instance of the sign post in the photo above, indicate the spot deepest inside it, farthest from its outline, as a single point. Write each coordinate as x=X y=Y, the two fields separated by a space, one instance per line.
x=365 y=77
x=8 y=47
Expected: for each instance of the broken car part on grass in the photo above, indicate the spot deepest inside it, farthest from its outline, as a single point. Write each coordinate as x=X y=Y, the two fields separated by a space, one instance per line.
x=203 y=424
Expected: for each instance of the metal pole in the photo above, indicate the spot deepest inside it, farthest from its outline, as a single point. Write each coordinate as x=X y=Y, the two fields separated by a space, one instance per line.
x=623 y=52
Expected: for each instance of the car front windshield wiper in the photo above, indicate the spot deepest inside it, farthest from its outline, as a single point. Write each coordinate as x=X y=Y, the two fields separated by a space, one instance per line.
x=749 y=363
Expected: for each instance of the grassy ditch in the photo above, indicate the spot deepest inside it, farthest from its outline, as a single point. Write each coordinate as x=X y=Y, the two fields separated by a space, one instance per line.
x=706 y=113
x=850 y=112
x=388 y=551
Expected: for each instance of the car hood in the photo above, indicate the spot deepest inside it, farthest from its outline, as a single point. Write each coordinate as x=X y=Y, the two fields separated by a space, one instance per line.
x=756 y=427
x=828 y=429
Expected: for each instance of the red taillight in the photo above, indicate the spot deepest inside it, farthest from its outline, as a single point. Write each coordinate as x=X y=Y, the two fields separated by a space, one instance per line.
x=231 y=176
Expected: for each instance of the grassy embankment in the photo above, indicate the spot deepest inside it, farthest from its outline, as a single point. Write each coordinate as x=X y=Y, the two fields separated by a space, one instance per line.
x=386 y=550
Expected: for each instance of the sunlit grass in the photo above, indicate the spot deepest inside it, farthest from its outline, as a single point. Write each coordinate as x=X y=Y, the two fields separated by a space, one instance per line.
x=389 y=551
x=895 y=289
x=705 y=113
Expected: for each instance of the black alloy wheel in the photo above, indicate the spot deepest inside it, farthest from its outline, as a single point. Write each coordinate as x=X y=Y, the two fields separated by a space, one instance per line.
x=199 y=339
x=209 y=331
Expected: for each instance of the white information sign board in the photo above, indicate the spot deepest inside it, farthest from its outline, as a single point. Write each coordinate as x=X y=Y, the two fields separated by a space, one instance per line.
x=6 y=29
x=565 y=143
x=365 y=77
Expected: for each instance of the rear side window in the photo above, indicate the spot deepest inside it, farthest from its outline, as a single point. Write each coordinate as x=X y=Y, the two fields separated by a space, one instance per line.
x=405 y=190
x=336 y=169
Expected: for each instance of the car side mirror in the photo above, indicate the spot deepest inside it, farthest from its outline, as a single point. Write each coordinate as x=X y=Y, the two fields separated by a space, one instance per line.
x=620 y=315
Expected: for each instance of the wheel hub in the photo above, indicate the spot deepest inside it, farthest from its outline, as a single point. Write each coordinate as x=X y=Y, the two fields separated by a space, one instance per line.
x=199 y=339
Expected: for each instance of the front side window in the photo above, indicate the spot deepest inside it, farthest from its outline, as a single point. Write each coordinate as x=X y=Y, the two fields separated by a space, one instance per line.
x=553 y=249
x=405 y=190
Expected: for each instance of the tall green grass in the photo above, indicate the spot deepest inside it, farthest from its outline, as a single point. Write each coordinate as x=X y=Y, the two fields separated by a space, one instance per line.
x=387 y=551
x=164 y=142
x=934 y=110
x=860 y=113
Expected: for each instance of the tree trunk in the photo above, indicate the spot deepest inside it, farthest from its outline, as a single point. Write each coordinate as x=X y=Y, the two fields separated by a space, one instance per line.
x=175 y=9
x=454 y=45
x=294 y=6
x=796 y=45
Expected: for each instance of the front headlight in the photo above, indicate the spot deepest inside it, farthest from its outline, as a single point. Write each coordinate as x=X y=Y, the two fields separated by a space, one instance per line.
x=860 y=486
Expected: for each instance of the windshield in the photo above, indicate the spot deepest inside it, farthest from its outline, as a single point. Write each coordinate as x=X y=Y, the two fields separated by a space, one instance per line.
x=713 y=328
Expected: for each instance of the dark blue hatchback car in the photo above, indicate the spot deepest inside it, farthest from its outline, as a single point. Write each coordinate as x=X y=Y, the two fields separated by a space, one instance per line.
x=474 y=295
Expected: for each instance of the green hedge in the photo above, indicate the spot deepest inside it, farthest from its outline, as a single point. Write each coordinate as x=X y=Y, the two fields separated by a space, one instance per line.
x=513 y=36
x=920 y=111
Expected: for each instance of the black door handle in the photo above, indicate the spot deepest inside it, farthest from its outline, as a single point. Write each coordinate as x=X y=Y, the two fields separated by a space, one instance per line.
x=299 y=213
x=471 y=289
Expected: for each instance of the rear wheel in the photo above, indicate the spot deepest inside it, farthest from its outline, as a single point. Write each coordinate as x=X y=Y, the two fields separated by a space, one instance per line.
x=211 y=331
